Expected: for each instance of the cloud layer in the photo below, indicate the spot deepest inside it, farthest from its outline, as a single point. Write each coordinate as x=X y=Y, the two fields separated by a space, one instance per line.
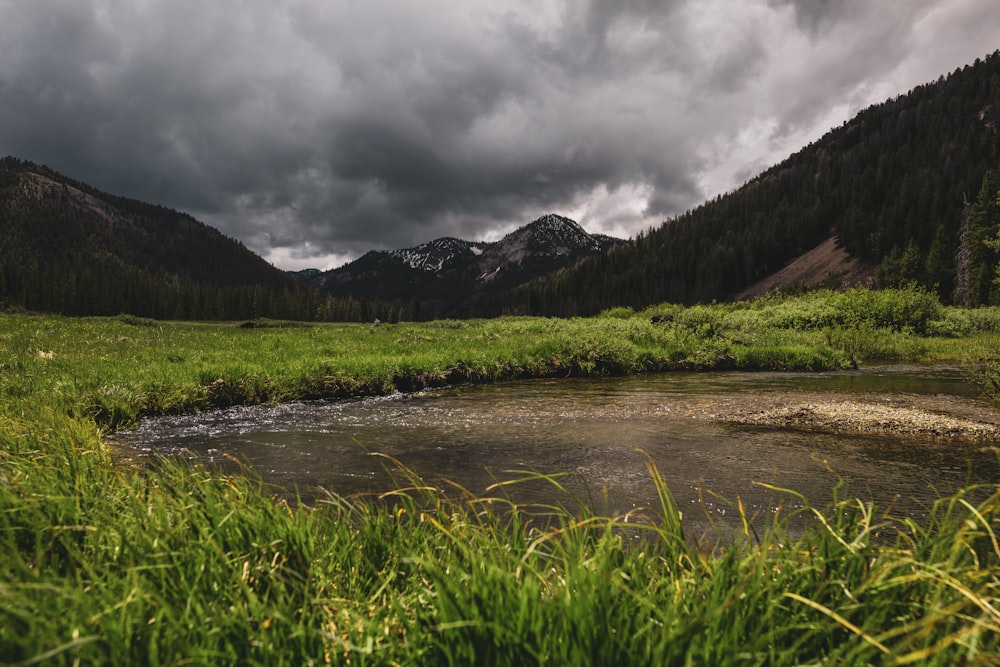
x=314 y=131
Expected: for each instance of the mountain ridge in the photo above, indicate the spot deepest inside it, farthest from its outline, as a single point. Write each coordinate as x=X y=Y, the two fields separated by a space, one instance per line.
x=68 y=247
x=446 y=271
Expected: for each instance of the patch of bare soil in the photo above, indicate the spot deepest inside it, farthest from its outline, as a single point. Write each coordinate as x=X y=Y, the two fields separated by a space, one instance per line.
x=45 y=184
x=827 y=262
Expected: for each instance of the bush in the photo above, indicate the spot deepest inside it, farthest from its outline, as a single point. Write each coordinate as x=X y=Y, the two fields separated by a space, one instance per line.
x=619 y=313
x=899 y=309
x=868 y=343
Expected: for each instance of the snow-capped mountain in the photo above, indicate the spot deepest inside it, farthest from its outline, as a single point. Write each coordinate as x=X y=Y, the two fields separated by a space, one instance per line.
x=440 y=254
x=549 y=240
x=445 y=271
x=552 y=236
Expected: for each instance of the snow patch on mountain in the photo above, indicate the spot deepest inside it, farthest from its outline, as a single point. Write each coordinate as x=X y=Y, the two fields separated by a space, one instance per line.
x=440 y=254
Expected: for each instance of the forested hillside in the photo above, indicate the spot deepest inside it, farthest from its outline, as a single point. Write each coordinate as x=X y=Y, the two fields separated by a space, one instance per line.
x=66 y=247
x=910 y=185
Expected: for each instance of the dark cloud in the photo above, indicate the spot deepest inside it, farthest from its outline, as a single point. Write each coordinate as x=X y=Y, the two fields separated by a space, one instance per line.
x=314 y=131
x=815 y=16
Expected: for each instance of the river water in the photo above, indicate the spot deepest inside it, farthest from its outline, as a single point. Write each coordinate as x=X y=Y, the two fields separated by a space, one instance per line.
x=601 y=433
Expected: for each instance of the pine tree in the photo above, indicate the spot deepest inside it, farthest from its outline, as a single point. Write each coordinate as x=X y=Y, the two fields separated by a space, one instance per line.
x=963 y=259
x=984 y=226
x=993 y=243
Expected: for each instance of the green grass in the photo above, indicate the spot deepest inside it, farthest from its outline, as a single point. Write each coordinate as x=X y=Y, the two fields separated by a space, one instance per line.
x=116 y=370
x=181 y=565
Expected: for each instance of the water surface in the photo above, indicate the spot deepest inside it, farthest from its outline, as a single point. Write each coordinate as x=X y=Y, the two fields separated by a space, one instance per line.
x=600 y=432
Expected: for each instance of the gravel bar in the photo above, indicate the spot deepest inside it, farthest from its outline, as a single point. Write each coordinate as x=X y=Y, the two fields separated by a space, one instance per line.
x=850 y=416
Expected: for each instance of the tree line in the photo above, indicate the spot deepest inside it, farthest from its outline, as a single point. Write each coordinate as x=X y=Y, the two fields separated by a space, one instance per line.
x=68 y=248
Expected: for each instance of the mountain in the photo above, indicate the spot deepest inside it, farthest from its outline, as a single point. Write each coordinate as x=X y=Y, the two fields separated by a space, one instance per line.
x=70 y=248
x=908 y=188
x=547 y=244
x=442 y=274
x=421 y=272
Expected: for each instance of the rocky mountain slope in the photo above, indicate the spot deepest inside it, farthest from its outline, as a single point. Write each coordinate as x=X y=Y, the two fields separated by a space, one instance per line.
x=826 y=264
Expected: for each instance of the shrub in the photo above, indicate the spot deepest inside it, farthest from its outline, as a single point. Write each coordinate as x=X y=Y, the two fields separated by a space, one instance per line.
x=899 y=309
x=619 y=312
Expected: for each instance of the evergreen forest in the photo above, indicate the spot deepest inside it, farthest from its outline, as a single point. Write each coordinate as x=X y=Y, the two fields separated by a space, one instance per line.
x=68 y=248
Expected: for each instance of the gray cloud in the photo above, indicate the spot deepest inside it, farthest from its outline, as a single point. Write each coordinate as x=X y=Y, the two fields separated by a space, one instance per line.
x=314 y=131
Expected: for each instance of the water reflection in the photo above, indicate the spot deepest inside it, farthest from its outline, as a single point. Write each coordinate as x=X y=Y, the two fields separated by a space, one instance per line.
x=600 y=432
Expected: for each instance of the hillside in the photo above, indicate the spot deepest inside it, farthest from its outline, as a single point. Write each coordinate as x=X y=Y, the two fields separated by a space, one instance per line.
x=67 y=247
x=897 y=185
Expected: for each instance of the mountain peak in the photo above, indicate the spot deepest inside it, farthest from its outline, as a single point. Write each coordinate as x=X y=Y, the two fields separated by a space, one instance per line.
x=550 y=235
x=557 y=221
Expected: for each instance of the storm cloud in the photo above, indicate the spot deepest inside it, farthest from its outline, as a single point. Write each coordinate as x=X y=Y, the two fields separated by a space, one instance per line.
x=314 y=131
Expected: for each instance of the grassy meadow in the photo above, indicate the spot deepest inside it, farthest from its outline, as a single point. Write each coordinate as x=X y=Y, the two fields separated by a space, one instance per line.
x=180 y=565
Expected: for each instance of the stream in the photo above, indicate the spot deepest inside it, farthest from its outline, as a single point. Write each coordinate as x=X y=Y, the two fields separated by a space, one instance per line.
x=599 y=434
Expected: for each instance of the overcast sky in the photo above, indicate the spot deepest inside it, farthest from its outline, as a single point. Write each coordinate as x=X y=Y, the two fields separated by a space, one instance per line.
x=315 y=130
